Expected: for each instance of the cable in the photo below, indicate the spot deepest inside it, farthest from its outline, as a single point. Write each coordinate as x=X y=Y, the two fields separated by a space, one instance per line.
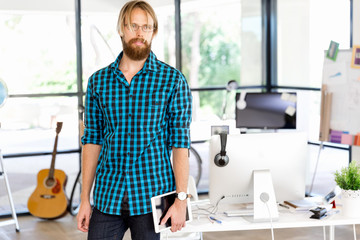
x=354 y=231
x=216 y=206
x=207 y=211
x=271 y=224
x=264 y=197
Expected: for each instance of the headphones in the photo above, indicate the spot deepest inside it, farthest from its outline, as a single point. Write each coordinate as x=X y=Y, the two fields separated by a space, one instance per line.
x=221 y=159
x=241 y=103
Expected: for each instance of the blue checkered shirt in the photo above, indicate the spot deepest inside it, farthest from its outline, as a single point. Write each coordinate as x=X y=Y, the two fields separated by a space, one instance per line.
x=136 y=124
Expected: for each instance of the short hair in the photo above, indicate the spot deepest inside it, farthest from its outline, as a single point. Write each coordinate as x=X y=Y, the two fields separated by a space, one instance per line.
x=125 y=14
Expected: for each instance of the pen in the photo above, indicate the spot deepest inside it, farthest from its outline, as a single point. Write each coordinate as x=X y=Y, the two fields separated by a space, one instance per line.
x=283 y=205
x=214 y=219
x=331 y=212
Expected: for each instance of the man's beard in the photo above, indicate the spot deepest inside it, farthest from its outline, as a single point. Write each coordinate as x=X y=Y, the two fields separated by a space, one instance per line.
x=136 y=53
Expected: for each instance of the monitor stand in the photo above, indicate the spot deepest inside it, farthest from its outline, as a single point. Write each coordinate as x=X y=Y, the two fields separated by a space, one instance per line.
x=265 y=207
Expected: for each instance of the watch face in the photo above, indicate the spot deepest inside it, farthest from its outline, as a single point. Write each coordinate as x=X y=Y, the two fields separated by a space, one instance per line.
x=182 y=195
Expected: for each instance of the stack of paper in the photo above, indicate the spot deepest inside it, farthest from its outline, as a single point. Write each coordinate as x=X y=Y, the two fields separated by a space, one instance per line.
x=301 y=205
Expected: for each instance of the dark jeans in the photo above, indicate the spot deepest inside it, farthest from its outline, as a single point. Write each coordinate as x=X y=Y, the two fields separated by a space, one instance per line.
x=105 y=226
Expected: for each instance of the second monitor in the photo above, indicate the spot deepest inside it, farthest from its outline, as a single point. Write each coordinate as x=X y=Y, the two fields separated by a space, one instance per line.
x=266 y=110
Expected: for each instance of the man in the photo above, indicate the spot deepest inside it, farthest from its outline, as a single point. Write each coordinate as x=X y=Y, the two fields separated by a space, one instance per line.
x=138 y=110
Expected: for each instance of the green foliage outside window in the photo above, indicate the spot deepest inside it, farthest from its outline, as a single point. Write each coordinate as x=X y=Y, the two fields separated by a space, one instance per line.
x=39 y=55
x=213 y=54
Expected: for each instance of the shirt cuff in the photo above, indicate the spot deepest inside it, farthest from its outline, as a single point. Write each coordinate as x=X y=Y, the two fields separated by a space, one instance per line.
x=179 y=138
x=92 y=136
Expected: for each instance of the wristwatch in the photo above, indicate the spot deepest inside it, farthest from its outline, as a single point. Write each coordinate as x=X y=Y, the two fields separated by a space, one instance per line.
x=182 y=195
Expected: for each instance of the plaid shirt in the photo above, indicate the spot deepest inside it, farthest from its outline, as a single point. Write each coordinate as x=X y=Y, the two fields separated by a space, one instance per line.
x=136 y=124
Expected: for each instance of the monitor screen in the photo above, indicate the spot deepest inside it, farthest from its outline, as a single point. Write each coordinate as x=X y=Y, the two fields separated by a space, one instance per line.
x=284 y=154
x=266 y=110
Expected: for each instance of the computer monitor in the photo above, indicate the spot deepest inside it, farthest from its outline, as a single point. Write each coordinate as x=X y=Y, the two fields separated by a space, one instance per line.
x=266 y=110
x=284 y=154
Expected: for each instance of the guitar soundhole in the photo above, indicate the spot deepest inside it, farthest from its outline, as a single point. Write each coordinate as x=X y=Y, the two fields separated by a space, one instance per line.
x=50 y=182
x=54 y=184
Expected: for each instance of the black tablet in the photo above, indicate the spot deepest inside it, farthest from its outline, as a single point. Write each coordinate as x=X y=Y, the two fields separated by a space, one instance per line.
x=160 y=205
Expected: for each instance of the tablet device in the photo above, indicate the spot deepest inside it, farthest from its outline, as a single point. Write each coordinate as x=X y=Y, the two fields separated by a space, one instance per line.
x=161 y=204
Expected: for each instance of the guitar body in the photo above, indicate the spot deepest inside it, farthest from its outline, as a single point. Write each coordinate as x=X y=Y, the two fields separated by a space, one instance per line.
x=49 y=199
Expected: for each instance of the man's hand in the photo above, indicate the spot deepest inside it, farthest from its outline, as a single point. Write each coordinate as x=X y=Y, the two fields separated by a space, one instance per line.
x=177 y=214
x=83 y=217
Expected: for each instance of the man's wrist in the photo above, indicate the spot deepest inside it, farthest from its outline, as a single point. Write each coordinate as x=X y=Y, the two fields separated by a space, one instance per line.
x=85 y=197
x=179 y=202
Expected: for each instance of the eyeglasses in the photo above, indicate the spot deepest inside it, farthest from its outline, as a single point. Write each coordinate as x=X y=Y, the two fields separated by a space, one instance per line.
x=134 y=27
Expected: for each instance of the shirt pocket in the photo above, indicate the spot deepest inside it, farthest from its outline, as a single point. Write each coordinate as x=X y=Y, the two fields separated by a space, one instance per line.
x=154 y=110
x=156 y=100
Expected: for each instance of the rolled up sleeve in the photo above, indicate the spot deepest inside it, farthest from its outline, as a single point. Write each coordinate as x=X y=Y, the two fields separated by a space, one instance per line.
x=93 y=132
x=180 y=110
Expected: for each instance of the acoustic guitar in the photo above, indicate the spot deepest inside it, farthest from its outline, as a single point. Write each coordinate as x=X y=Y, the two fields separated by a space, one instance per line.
x=49 y=199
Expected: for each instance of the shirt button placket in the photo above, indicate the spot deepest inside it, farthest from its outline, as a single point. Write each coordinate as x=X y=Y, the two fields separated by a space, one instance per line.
x=129 y=126
x=130 y=111
x=130 y=104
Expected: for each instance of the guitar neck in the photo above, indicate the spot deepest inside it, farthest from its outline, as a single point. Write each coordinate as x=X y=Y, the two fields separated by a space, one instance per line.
x=52 y=165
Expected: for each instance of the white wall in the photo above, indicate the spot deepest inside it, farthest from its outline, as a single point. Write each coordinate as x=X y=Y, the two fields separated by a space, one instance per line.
x=356 y=41
x=356 y=22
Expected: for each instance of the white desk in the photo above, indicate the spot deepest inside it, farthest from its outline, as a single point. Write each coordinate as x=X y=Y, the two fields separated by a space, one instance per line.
x=287 y=219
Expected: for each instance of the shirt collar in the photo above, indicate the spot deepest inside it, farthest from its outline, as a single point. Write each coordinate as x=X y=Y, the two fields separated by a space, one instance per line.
x=150 y=63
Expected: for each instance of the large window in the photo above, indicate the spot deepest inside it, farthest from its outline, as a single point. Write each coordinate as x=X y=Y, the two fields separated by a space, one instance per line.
x=220 y=42
x=211 y=35
x=38 y=58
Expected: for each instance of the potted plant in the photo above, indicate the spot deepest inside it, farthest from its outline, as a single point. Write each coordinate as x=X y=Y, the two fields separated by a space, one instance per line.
x=348 y=179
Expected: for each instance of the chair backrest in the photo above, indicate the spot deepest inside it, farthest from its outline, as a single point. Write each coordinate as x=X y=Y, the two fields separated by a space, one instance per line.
x=192 y=189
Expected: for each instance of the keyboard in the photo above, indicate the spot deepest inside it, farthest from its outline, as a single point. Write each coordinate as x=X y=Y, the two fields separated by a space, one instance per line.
x=240 y=213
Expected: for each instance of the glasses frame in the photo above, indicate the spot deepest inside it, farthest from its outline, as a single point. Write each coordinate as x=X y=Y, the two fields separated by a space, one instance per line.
x=145 y=28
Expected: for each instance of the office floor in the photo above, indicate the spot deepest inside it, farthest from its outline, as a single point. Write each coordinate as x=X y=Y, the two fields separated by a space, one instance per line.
x=32 y=228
